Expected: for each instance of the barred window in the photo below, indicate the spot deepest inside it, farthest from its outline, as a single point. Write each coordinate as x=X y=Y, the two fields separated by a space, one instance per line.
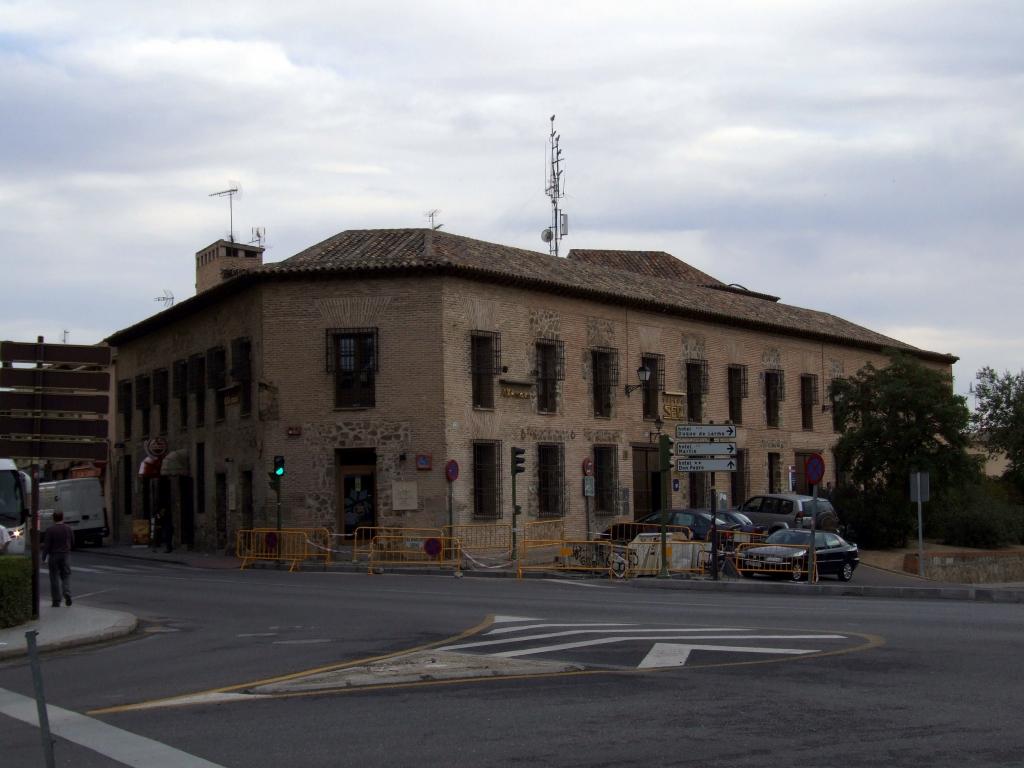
x=774 y=393
x=125 y=407
x=143 y=400
x=808 y=399
x=179 y=390
x=696 y=388
x=654 y=363
x=216 y=368
x=737 y=392
x=485 y=364
x=197 y=385
x=774 y=472
x=739 y=483
x=605 y=479
x=551 y=480
x=241 y=372
x=550 y=370
x=487 y=479
x=605 y=377
x=161 y=396
x=353 y=356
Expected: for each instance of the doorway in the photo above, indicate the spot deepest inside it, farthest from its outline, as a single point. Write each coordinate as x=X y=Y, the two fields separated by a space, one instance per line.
x=646 y=482
x=356 y=489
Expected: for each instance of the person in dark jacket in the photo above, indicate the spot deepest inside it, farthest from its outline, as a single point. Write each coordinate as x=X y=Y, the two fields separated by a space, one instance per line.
x=166 y=529
x=57 y=542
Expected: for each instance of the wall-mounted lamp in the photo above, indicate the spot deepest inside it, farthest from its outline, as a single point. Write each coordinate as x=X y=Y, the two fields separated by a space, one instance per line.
x=644 y=374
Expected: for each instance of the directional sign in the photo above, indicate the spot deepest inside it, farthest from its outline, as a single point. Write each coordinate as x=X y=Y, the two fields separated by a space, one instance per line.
x=705 y=465
x=684 y=431
x=53 y=378
x=52 y=449
x=27 y=352
x=705 y=449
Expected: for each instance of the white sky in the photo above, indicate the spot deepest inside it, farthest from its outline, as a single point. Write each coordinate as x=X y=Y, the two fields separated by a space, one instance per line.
x=862 y=158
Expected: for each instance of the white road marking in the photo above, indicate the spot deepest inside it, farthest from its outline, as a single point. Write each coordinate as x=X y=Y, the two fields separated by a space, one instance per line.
x=505 y=630
x=117 y=568
x=577 y=583
x=302 y=642
x=548 y=635
x=730 y=648
x=506 y=619
x=673 y=655
x=213 y=697
x=125 y=747
x=257 y=634
x=97 y=592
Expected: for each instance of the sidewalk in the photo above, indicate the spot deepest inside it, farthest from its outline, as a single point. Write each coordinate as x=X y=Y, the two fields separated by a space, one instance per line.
x=66 y=626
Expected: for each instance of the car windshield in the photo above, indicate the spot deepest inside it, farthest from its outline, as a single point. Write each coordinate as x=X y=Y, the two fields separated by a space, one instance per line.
x=789 y=536
x=740 y=518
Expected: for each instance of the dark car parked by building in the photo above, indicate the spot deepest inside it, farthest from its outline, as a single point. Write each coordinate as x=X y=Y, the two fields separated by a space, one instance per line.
x=784 y=553
x=698 y=521
x=790 y=510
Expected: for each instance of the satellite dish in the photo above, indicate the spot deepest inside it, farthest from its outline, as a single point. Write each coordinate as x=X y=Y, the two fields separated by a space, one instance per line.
x=547 y=235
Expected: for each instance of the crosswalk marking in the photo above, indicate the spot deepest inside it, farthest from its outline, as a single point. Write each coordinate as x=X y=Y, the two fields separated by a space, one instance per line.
x=623 y=639
x=547 y=635
x=675 y=655
x=520 y=628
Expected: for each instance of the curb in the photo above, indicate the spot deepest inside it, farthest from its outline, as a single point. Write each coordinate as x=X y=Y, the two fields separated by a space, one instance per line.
x=125 y=624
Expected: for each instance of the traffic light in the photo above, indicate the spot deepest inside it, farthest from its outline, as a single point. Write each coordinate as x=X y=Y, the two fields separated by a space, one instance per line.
x=279 y=466
x=518 y=461
x=665 y=447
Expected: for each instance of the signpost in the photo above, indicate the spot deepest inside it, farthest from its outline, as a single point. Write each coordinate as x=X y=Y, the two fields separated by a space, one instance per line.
x=920 y=492
x=814 y=470
x=706 y=458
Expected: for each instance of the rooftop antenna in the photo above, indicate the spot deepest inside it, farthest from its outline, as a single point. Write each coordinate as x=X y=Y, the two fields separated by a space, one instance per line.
x=234 y=188
x=259 y=236
x=167 y=299
x=432 y=216
x=554 y=187
x=66 y=334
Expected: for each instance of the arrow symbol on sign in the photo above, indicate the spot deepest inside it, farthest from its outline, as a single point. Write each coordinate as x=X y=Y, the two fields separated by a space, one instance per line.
x=675 y=655
x=732 y=465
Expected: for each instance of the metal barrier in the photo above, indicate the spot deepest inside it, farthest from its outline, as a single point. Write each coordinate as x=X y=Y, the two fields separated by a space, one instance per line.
x=771 y=559
x=636 y=529
x=292 y=545
x=543 y=530
x=406 y=549
x=363 y=536
x=548 y=555
x=479 y=539
x=730 y=539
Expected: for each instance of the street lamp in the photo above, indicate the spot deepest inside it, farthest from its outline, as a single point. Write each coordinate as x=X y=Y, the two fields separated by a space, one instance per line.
x=644 y=374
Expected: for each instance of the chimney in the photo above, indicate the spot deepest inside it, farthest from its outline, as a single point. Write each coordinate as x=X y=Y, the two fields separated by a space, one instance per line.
x=223 y=260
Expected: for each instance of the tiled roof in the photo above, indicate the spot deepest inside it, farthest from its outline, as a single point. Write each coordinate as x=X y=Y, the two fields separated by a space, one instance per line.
x=425 y=250
x=650 y=263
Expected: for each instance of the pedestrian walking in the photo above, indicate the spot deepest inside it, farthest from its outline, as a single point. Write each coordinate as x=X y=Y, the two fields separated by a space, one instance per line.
x=5 y=539
x=57 y=541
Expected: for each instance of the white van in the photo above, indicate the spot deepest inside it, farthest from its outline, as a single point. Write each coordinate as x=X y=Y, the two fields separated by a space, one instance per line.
x=81 y=501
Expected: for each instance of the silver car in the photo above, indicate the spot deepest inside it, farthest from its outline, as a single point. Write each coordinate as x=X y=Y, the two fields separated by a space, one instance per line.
x=790 y=510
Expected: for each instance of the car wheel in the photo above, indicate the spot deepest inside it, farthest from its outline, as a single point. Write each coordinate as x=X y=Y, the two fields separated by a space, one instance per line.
x=846 y=573
x=797 y=576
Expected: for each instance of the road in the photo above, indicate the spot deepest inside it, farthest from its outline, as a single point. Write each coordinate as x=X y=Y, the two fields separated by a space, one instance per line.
x=560 y=672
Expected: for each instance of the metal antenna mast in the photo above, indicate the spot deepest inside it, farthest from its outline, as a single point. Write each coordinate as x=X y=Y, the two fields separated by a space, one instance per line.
x=431 y=216
x=555 y=189
x=230 y=193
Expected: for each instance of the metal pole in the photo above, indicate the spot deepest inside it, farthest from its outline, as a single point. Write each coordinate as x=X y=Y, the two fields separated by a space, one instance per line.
x=663 y=478
x=920 y=529
x=37 y=681
x=812 y=562
x=515 y=513
x=714 y=530
x=277 y=491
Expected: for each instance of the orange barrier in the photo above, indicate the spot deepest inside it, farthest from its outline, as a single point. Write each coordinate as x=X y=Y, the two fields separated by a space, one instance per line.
x=437 y=551
x=643 y=555
x=771 y=559
x=363 y=536
x=479 y=539
x=292 y=545
x=543 y=555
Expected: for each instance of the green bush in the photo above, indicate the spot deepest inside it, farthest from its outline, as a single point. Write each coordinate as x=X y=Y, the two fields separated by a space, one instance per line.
x=982 y=516
x=15 y=590
x=874 y=520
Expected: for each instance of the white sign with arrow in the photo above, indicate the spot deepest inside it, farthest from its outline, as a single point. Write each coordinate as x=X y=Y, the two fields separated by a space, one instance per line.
x=684 y=431
x=705 y=449
x=705 y=465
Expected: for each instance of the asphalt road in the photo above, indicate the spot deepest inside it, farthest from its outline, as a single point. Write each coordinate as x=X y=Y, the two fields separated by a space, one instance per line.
x=753 y=680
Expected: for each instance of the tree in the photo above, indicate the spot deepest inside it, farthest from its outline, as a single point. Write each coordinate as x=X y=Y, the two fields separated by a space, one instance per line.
x=892 y=421
x=999 y=419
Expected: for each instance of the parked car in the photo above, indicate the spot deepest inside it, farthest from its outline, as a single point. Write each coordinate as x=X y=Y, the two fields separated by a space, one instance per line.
x=697 y=520
x=784 y=553
x=741 y=521
x=789 y=510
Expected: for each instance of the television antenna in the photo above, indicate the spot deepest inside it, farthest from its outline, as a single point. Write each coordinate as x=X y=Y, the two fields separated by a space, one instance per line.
x=167 y=299
x=554 y=188
x=432 y=216
x=234 y=188
x=259 y=236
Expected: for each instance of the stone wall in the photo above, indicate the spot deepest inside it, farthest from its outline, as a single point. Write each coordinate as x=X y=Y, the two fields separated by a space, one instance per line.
x=970 y=567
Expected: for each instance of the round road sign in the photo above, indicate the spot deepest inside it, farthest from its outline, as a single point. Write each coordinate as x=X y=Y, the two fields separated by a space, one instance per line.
x=156 y=447
x=432 y=547
x=451 y=470
x=814 y=468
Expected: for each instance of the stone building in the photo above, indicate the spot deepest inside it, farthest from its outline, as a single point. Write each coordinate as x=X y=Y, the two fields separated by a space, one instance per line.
x=373 y=359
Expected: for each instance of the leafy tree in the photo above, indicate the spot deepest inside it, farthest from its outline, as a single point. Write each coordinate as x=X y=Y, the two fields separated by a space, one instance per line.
x=895 y=420
x=999 y=419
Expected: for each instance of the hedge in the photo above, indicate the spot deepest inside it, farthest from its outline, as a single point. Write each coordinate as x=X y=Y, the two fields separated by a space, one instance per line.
x=15 y=590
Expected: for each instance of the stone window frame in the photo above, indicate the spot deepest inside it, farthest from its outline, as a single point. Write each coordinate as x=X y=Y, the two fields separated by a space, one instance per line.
x=696 y=374
x=736 y=382
x=355 y=388
x=655 y=384
x=484 y=365
x=551 y=501
x=604 y=375
x=487 y=495
x=808 y=399
x=549 y=370
x=606 y=479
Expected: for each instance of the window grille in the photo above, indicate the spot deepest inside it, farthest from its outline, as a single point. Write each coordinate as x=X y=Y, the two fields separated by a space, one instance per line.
x=143 y=395
x=699 y=377
x=550 y=369
x=605 y=480
x=124 y=396
x=196 y=373
x=485 y=364
x=160 y=389
x=179 y=379
x=737 y=391
x=354 y=356
x=487 y=480
x=551 y=480
x=216 y=365
x=370 y=341
x=604 y=378
x=241 y=359
x=654 y=363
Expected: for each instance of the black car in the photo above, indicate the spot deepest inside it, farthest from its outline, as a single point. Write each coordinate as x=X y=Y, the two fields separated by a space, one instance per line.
x=698 y=521
x=741 y=521
x=784 y=553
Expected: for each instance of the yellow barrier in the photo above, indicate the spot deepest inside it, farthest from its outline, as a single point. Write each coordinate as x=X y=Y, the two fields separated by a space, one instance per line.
x=292 y=545
x=414 y=550
x=632 y=530
x=482 y=538
x=546 y=555
x=363 y=536
x=771 y=559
